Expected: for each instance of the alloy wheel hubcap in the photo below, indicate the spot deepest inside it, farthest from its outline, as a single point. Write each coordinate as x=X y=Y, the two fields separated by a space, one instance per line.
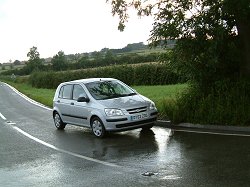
x=97 y=128
x=57 y=120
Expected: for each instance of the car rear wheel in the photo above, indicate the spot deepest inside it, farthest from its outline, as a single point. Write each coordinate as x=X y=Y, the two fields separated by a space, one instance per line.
x=58 y=122
x=97 y=127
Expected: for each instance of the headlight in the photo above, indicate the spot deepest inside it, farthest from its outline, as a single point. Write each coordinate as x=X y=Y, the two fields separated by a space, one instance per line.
x=113 y=112
x=152 y=106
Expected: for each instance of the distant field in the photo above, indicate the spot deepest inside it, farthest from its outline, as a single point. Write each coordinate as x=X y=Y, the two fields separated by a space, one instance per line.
x=145 y=51
x=9 y=67
x=139 y=52
x=155 y=93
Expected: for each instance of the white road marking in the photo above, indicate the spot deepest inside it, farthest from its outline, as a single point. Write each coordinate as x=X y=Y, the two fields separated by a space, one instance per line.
x=64 y=151
x=2 y=116
x=28 y=99
x=215 y=133
x=11 y=123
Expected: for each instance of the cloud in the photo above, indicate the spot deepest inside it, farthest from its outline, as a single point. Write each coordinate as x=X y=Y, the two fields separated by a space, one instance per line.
x=73 y=26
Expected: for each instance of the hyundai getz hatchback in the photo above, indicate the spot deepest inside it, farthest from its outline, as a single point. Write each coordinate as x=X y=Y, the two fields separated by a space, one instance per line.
x=102 y=104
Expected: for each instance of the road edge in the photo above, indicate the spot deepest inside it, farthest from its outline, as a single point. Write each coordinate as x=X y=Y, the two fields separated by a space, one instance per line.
x=235 y=129
x=27 y=98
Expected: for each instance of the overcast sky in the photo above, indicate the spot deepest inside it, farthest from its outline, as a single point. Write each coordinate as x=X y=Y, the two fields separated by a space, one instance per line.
x=73 y=26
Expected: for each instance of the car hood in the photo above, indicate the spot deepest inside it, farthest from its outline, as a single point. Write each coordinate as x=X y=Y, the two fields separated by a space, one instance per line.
x=128 y=102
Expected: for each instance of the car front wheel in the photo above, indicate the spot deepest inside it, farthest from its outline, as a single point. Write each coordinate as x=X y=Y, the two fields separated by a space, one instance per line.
x=97 y=127
x=58 y=122
x=147 y=127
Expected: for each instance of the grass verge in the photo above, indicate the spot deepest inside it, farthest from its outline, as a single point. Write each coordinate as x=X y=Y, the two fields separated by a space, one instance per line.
x=159 y=94
x=164 y=96
x=44 y=96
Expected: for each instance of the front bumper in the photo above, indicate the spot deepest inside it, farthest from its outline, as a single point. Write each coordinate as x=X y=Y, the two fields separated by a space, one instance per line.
x=126 y=123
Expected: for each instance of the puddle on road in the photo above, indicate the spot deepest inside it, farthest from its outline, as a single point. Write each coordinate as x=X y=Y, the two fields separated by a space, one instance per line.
x=10 y=123
x=149 y=174
x=171 y=177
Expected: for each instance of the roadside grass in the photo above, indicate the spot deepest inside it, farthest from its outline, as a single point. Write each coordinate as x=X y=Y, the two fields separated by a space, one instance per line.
x=44 y=96
x=160 y=94
x=164 y=97
x=180 y=102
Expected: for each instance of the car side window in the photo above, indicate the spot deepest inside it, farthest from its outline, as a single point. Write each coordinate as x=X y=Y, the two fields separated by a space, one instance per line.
x=61 y=92
x=78 y=91
x=67 y=91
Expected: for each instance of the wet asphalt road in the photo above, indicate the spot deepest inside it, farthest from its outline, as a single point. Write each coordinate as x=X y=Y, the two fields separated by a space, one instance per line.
x=62 y=158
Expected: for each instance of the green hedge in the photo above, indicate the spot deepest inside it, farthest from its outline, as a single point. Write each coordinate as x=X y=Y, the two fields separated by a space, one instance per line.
x=149 y=74
x=227 y=103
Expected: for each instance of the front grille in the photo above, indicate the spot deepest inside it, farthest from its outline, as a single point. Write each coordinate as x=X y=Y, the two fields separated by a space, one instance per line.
x=136 y=123
x=137 y=110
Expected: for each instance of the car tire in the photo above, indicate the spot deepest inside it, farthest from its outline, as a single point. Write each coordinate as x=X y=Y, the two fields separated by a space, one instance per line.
x=58 y=122
x=97 y=127
x=147 y=127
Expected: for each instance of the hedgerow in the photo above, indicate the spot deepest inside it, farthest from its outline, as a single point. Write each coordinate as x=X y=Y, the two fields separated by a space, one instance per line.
x=147 y=74
x=227 y=103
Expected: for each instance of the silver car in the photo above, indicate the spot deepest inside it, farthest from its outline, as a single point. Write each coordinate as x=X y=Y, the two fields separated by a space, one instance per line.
x=102 y=104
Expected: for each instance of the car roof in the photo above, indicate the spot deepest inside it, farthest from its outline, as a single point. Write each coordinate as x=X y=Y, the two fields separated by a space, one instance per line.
x=84 y=81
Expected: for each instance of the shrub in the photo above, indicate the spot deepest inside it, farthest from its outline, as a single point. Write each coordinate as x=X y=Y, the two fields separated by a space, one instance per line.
x=149 y=74
x=226 y=104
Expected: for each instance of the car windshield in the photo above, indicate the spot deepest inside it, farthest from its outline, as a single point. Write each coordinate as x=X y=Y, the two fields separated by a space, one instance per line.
x=109 y=89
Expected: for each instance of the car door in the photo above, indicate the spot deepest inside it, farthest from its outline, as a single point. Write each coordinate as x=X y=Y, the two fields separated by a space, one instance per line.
x=64 y=103
x=80 y=110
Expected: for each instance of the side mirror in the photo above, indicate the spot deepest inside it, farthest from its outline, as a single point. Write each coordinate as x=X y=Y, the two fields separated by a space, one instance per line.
x=83 y=99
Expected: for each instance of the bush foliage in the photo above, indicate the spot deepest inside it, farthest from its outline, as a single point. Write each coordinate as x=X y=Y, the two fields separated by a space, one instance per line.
x=147 y=74
x=227 y=103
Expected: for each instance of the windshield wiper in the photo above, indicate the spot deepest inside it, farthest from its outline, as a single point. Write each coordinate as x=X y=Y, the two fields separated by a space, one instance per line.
x=119 y=95
x=132 y=94
x=114 y=96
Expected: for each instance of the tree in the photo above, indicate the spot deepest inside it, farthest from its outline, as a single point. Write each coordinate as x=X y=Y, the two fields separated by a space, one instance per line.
x=213 y=40
x=34 y=62
x=97 y=58
x=212 y=49
x=97 y=55
x=59 y=61
x=17 y=62
x=84 y=60
x=109 y=57
x=77 y=57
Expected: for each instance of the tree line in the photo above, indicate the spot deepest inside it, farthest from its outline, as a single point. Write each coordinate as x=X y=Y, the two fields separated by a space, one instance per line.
x=62 y=62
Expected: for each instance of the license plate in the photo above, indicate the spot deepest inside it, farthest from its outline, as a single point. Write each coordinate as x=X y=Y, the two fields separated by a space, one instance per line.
x=139 y=116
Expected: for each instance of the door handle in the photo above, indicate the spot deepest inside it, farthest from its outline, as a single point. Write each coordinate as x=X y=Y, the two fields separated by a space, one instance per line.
x=72 y=103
